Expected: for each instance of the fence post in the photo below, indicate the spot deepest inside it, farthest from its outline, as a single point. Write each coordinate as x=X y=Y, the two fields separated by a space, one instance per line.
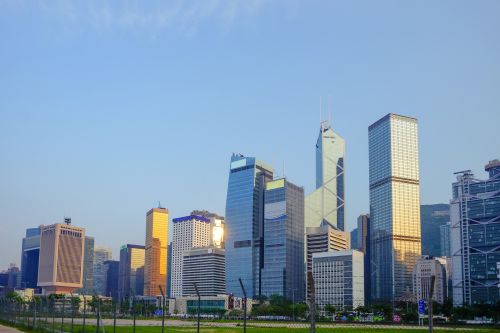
x=72 y=311
x=84 y=311
x=97 y=313
x=62 y=315
x=244 y=306
x=312 y=302
x=431 y=292
x=199 y=307
x=114 y=317
x=162 y=310
x=34 y=312
x=133 y=307
x=53 y=316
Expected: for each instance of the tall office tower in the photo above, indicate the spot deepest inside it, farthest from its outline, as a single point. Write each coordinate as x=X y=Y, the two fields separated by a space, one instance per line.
x=338 y=279
x=155 y=266
x=283 y=271
x=244 y=224
x=60 y=267
x=111 y=269
x=364 y=246
x=101 y=254
x=426 y=267
x=444 y=235
x=325 y=239
x=169 y=270
x=327 y=203
x=475 y=237
x=189 y=232
x=29 y=258
x=217 y=223
x=394 y=205
x=131 y=270
x=205 y=267
x=88 y=266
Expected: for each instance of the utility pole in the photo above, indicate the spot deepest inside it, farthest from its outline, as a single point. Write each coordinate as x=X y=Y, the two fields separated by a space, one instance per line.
x=244 y=306
x=431 y=292
x=312 y=302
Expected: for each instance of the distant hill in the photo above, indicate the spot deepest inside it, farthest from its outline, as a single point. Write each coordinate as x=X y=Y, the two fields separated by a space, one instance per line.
x=431 y=218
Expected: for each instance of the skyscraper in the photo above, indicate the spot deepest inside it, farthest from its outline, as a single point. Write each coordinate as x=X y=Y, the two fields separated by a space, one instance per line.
x=327 y=202
x=444 y=236
x=101 y=255
x=189 y=232
x=30 y=257
x=475 y=237
x=205 y=267
x=364 y=246
x=394 y=205
x=155 y=266
x=244 y=223
x=325 y=238
x=283 y=269
x=111 y=269
x=131 y=270
x=61 y=258
x=88 y=266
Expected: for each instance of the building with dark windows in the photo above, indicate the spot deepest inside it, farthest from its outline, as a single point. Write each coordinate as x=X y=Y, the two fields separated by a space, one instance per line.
x=88 y=266
x=244 y=223
x=131 y=270
x=475 y=237
x=394 y=206
x=30 y=257
x=111 y=268
x=169 y=270
x=283 y=270
x=444 y=236
x=205 y=267
x=364 y=246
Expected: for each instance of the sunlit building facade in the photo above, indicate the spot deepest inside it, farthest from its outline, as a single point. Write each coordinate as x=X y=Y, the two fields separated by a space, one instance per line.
x=30 y=257
x=327 y=202
x=244 y=224
x=155 y=265
x=394 y=205
x=131 y=270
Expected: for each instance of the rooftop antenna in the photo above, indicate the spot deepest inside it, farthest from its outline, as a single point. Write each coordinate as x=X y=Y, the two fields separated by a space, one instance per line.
x=159 y=205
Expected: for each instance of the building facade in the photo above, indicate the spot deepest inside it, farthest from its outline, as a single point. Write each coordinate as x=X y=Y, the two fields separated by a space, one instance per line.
x=394 y=206
x=364 y=246
x=155 y=265
x=204 y=267
x=131 y=270
x=475 y=237
x=101 y=255
x=111 y=268
x=60 y=267
x=30 y=258
x=283 y=269
x=444 y=236
x=339 y=279
x=169 y=271
x=422 y=273
x=327 y=203
x=325 y=239
x=88 y=266
x=189 y=232
x=244 y=224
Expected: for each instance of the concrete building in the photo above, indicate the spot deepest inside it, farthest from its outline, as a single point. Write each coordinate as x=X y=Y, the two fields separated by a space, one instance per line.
x=339 y=279
x=101 y=255
x=111 y=269
x=422 y=272
x=30 y=258
x=283 y=269
x=205 y=267
x=325 y=239
x=327 y=203
x=244 y=223
x=61 y=258
x=155 y=266
x=189 y=232
x=131 y=270
x=394 y=206
x=475 y=237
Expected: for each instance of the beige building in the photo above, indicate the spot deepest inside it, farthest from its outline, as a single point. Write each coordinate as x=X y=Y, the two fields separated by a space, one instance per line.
x=61 y=258
x=325 y=239
x=155 y=265
x=422 y=272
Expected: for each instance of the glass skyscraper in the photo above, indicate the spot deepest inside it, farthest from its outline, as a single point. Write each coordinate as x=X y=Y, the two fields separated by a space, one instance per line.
x=475 y=237
x=29 y=258
x=394 y=205
x=244 y=224
x=283 y=271
x=327 y=203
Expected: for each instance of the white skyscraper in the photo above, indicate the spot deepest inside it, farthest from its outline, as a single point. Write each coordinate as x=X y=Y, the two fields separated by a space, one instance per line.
x=189 y=232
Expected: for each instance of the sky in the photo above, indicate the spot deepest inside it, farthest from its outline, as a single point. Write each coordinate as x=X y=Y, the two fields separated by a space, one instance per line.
x=109 y=107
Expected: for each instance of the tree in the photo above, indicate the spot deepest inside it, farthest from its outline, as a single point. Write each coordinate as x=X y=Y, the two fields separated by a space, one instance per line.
x=330 y=309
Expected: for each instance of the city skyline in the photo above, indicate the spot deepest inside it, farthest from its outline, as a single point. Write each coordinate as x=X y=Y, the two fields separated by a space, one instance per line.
x=83 y=104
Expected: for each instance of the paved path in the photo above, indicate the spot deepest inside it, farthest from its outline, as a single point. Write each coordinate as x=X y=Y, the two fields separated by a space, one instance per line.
x=6 y=329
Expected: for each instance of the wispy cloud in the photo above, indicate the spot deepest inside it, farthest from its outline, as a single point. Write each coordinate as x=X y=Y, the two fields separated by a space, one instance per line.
x=185 y=17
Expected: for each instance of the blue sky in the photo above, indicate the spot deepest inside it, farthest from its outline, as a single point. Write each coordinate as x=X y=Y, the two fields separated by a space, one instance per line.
x=107 y=108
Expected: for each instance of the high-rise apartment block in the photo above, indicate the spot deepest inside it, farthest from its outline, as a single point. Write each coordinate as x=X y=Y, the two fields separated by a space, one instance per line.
x=101 y=255
x=422 y=273
x=131 y=270
x=30 y=258
x=244 y=224
x=204 y=267
x=61 y=258
x=475 y=237
x=155 y=267
x=339 y=279
x=394 y=205
x=189 y=232
x=283 y=269
x=327 y=203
